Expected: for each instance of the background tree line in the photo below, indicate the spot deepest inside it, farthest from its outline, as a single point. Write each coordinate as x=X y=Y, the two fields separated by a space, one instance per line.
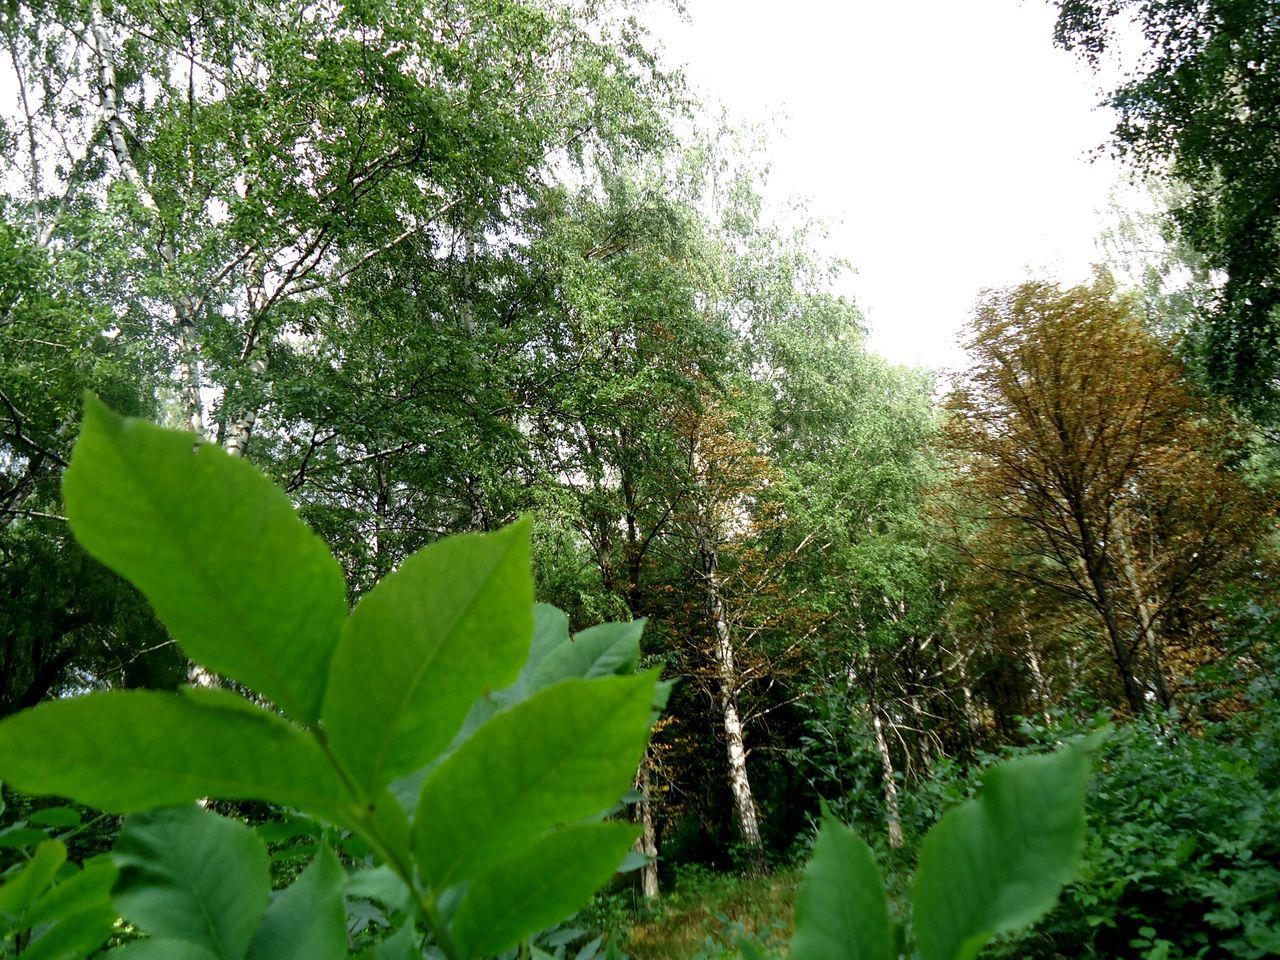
x=435 y=266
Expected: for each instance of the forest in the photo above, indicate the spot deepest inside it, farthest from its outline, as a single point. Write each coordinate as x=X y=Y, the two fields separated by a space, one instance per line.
x=444 y=513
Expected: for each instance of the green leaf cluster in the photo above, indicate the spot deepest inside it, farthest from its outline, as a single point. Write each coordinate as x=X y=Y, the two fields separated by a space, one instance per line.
x=474 y=755
x=991 y=866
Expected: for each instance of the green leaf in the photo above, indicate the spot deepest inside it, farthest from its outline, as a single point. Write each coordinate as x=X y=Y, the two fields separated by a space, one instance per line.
x=398 y=946
x=164 y=949
x=544 y=885
x=240 y=581
x=188 y=874
x=73 y=935
x=130 y=750
x=55 y=817
x=550 y=632
x=20 y=835
x=451 y=623
x=567 y=752
x=306 y=921
x=610 y=648
x=21 y=889
x=382 y=884
x=841 y=909
x=88 y=889
x=996 y=863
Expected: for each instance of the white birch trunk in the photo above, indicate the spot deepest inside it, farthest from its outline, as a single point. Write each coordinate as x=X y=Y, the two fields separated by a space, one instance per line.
x=727 y=682
x=892 y=816
x=647 y=842
x=1146 y=619
x=189 y=380
x=239 y=432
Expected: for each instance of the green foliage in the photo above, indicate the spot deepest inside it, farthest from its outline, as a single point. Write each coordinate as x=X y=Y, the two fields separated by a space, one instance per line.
x=434 y=635
x=194 y=877
x=841 y=910
x=992 y=865
x=996 y=863
x=502 y=838
x=51 y=909
x=1182 y=852
x=145 y=503
x=1196 y=109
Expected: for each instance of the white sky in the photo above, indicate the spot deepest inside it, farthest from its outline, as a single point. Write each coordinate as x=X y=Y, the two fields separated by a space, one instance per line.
x=946 y=142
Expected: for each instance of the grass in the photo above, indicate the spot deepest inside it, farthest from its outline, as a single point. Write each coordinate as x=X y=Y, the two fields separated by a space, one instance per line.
x=708 y=912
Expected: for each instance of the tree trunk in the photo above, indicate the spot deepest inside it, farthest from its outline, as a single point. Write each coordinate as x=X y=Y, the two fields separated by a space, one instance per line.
x=1146 y=623
x=238 y=434
x=727 y=683
x=189 y=380
x=647 y=842
x=892 y=816
x=1119 y=646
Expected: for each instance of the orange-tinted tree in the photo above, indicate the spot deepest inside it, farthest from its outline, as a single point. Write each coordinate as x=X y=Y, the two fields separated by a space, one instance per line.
x=1096 y=472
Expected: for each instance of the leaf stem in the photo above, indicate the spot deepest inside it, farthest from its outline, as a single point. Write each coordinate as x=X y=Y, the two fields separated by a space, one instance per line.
x=364 y=826
x=422 y=898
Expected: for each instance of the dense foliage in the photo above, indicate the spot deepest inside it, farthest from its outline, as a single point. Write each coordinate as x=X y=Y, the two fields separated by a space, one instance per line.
x=437 y=268
x=1198 y=107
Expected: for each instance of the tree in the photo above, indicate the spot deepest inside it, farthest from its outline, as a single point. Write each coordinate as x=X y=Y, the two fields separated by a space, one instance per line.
x=1200 y=108
x=1097 y=473
x=64 y=619
x=236 y=165
x=294 y=227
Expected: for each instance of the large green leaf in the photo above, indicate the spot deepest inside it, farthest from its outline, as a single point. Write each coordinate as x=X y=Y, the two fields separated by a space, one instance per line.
x=72 y=919
x=85 y=890
x=841 y=909
x=165 y=949
x=21 y=889
x=599 y=651
x=306 y=921
x=240 y=581
x=566 y=753
x=188 y=874
x=130 y=750
x=74 y=934
x=399 y=946
x=554 y=656
x=998 y=862
x=451 y=623
x=542 y=886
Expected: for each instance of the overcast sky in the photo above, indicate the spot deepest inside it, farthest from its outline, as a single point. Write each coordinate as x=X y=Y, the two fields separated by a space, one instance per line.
x=947 y=143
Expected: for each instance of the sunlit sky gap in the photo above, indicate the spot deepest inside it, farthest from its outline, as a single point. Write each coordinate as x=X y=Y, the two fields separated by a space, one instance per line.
x=949 y=145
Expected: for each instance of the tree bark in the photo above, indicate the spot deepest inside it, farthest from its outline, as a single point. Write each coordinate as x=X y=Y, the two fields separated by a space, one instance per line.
x=189 y=378
x=893 y=818
x=727 y=684
x=1146 y=622
x=647 y=842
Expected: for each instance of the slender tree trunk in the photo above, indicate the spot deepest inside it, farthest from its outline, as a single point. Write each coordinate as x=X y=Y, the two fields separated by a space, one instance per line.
x=1120 y=650
x=892 y=815
x=727 y=682
x=189 y=378
x=647 y=842
x=239 y=432
x=1146 y=622
x=1033 y=664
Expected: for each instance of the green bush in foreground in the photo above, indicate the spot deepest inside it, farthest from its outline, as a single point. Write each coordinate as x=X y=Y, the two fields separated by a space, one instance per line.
x=991 y=866
x=450 y=725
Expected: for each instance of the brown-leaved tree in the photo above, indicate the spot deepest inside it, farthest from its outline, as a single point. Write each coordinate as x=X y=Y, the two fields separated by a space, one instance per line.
x=1097 y=473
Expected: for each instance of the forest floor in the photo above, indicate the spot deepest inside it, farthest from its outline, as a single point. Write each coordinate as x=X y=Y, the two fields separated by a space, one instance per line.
x=707 y=912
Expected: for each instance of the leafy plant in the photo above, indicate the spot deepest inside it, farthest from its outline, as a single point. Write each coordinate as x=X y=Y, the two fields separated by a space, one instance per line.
x=449 y=725
x=991 y=866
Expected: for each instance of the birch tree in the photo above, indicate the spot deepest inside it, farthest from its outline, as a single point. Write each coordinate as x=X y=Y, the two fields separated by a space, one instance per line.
x=252 y=158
